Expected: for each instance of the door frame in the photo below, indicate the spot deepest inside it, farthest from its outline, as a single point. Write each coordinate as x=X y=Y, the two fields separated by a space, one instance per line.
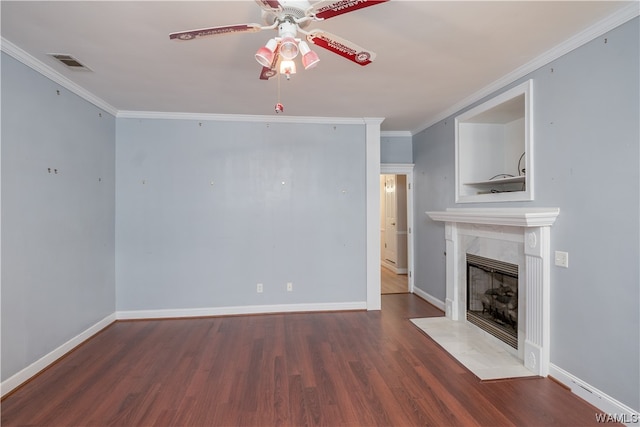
x=390 y=210
x=407 y=170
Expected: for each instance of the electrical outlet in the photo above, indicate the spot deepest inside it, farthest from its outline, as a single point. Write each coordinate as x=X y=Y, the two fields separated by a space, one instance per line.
x=259 y=288
x=289 y=287
x=562 y=259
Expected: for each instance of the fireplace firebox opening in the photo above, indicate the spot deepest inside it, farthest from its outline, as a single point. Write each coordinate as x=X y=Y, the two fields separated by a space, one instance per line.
x=492 y=297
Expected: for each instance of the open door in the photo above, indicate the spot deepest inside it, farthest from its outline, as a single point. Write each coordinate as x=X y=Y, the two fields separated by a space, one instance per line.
x=394 y=234
x=390 y=210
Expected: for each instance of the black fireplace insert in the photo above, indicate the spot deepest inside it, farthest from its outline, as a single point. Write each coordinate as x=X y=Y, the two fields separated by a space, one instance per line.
x=492 y=297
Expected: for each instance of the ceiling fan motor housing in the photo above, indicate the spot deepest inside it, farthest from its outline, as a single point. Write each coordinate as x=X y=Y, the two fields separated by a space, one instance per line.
x=291 y=11
x=287 y=29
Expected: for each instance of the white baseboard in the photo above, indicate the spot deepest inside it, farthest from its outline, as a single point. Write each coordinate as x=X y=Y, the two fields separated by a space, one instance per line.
x=432 y=300
x=245 y=309
x=27 y=373
x=597 y=398
x=19 y=378
x=390 y=266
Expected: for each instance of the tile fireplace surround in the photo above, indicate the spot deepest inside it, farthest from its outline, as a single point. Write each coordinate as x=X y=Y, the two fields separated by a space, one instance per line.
x=516 y=235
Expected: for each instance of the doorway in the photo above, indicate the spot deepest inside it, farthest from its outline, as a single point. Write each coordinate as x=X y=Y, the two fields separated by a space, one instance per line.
x=396 y=225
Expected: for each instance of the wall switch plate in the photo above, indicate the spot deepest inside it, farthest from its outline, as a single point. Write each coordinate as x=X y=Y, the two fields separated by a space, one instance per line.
x=289 y=287
x=259 y=288
x=562 y=259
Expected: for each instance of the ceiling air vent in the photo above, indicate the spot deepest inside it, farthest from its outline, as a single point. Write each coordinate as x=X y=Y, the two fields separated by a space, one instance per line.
x=69 y=61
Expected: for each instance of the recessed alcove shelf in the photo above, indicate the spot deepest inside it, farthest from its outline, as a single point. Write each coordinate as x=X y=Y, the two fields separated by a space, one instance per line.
x=494 y=149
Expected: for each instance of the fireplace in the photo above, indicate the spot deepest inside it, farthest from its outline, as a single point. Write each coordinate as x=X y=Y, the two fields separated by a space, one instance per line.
x=492 y=297
x=518 y=236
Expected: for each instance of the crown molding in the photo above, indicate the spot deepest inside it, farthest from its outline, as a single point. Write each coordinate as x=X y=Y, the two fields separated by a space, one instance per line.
x=396 y=134
x=159 y=115
x=603 y=26
x=373 y=120
x=30 y=61
x=37 y=65
x=607 y=24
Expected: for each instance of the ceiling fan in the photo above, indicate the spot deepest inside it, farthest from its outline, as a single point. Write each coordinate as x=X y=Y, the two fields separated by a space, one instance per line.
x=289 y=18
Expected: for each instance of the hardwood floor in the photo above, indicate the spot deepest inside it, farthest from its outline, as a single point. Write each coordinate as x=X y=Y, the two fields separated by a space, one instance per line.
x=392 y=283
x=340 y=368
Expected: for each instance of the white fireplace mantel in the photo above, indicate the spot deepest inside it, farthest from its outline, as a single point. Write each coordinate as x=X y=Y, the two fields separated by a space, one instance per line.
x=534 y=240
x=516 y=217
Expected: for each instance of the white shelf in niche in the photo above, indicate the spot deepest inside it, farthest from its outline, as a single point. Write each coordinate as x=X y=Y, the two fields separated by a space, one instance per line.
x=506 y=180
x=494 y=149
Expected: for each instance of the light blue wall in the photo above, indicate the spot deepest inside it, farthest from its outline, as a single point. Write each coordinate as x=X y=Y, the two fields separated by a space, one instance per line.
x=587 y=159
x=57 y=228
x=396 y=149
x=206 y=210
x=185 y=243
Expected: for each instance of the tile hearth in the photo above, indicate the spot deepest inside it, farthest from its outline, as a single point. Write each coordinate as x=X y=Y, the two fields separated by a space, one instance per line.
x=481 y=356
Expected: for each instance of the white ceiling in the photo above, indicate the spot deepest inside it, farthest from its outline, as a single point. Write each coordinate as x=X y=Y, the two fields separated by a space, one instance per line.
x=431 y=55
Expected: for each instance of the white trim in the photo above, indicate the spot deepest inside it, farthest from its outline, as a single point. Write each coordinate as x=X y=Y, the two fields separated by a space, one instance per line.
x=603 y=26
x=39 y=66
x=239 y=310
x=534 y=227
x=461 y=192
x=396 y=169
x=597 y=398
x=607 y=24
x=25 y=374
x=516 y=217
x=2 y=387
x=45 y=361
x=396 y=134
x=429 y=298
x=372 y=192
x=407 y=170
x=394 y=269
x=159 y=115
x=47 y=71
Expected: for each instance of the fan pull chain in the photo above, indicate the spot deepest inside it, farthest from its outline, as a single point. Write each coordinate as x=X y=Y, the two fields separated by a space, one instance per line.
x=279 y=107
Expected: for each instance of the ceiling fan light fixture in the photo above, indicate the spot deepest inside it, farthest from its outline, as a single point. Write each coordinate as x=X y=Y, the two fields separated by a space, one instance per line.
x=265 y=54
x=288 y=48
x=287 y=67
x=309 y=58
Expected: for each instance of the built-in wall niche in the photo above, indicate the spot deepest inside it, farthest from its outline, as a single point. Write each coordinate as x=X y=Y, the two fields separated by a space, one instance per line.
x=494 y=149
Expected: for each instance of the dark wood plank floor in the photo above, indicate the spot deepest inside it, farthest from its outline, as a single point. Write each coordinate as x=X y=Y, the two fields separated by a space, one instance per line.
x=341 y=368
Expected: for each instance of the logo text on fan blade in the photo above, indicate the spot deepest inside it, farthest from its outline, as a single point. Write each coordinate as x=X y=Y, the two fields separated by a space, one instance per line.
x=344 y=6
x=339 y=48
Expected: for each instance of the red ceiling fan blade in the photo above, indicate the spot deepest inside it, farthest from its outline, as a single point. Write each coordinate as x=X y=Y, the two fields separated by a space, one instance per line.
x=330 y=8
x=270 y=5
x=214 y=31
x=342 y=47
x=267 y=72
